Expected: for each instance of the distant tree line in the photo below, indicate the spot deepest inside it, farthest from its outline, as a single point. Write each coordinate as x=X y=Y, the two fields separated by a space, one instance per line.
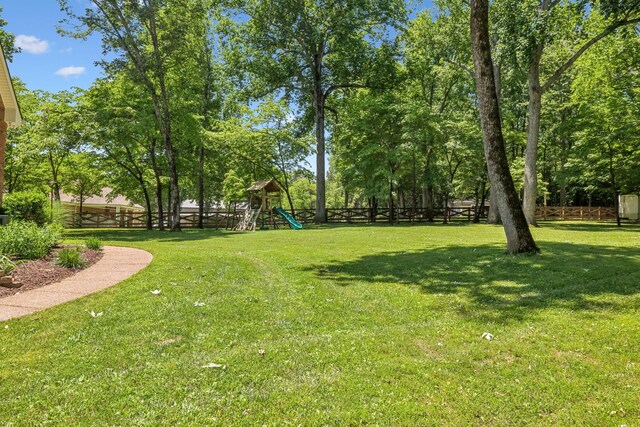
x=200 y=98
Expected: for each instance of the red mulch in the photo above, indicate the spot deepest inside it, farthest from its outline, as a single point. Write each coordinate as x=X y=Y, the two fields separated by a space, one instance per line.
x=40 y=272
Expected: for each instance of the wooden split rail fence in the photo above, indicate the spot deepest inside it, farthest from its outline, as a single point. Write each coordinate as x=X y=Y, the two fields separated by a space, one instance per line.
x=584 y=213
x=227 y=219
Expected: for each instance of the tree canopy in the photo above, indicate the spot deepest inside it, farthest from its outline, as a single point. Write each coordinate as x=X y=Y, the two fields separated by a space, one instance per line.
x=201 y=98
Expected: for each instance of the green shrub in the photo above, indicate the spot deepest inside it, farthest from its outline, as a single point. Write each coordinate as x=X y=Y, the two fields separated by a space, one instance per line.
x=70 y=258
x=6 y=265
x=93 y=243
x=26 y=240
x=27 y=206
x=56 y=214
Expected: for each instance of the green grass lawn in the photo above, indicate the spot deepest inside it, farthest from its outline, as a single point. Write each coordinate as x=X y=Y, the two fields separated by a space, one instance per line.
x=342 y=326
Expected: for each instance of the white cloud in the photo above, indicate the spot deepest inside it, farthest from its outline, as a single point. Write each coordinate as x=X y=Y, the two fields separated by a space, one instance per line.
x=31 y=44
x=70 y=71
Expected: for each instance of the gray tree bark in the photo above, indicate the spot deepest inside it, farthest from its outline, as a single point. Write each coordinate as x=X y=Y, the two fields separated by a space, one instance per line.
x=519 y=238
x=320 y=215
x=157 y=173
x=493 y=217
x=319 y=101
x=533 y=136
x=163 y=115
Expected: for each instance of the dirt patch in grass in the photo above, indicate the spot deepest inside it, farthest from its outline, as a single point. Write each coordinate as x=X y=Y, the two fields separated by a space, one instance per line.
x=41 y=272
x=169 y=341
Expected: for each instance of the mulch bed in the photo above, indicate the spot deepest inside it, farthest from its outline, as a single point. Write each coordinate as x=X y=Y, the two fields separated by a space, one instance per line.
x=41 y=272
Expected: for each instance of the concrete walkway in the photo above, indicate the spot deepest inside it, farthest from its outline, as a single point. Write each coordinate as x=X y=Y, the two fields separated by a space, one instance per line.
x=116 y=264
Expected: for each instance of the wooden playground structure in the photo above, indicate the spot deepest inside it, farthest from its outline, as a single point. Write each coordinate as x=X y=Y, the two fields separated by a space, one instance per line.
x=264 y=196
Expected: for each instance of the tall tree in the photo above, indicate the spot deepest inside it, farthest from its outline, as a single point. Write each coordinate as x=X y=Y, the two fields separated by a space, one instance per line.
x=519 y=238
x=541 y=24
x=146 y=35
x=121 y=128
x=271 y=142
x=607 y=91
x=369 y=140
x=436 y=53
x=25 y=167
x=58 y=133
x=313 y=48
x=83 y=177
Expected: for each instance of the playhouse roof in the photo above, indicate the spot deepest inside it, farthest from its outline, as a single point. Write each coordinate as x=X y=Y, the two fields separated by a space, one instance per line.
x=106 y=198
x=268 y=185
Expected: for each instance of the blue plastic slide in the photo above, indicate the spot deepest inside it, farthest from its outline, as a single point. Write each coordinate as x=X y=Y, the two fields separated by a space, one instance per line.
x=284 y=214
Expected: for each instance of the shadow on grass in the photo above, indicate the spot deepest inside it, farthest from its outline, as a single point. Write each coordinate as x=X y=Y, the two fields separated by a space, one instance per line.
x=382 y=224
x=141 y=235
x=590 y=226
x=493 y=286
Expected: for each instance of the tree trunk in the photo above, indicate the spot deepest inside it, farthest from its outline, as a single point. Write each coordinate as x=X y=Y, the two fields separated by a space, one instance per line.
x=445 y=220
x=414 y=188
x=493 y=217
x=373 y=208
x=290 y=200
x=54 y=175
x=562 y=179
x=480 y=209
x=320 y=215
x=427 y=201
x=476 y=203
x=614 y=186
x=163 y=116
x=158 y=177
x=169 y=204
x=533 y=135
x=173 y=182
x=563 y=189
x=206 y=111
x=427 y=190
x=201 y=189
x=318 y=101
x=147 y=202
x=391 y=203
x=519 y=238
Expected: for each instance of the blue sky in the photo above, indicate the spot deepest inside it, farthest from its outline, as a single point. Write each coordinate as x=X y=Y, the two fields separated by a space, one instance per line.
x=51 y=62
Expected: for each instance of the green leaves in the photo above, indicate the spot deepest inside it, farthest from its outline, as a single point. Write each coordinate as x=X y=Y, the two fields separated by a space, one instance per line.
x=607 y=92
x=7 y=40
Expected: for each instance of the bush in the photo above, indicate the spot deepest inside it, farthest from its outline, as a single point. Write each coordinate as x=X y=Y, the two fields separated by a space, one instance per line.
x=6 y=266
x=25 y=240
x=70 y=258
x=27 y=206
x=93 y=243
x=56 y=214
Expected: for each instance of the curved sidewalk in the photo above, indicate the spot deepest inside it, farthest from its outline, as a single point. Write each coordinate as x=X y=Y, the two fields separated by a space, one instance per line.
x=117 y=264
